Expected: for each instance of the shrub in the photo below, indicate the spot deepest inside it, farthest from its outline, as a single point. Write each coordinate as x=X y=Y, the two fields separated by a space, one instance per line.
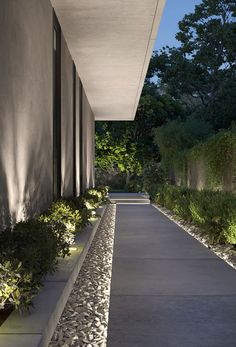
x=62 y=212
x=29 y=251
x=93 y=199
x=86 y=210
x=214 y=212
x=90 y=201
x=230 y=232
x=152 y=176
x=27 y=254
x=181 y=207
x=217 y=155
x=95 y=194
x=177 y=136
x=64 y=238
x=104 y=191
x=15 y=286
x=134 y=186
x=34 y=244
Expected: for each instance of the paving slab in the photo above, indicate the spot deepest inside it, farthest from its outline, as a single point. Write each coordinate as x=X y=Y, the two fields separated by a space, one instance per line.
x=135 y=276
x=167 y=288
x=129 y=198
x=20 y=340
x=170 y=321
x=159 y=243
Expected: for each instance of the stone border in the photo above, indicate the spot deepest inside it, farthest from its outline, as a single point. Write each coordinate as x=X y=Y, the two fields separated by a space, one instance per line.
x=84 y=321
x=224 y=252
x=36 y=329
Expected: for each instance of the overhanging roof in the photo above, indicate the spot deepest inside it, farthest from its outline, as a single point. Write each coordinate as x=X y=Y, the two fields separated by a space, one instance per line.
x=111 y=43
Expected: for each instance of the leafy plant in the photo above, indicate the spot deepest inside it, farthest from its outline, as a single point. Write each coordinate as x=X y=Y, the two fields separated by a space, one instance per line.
x=27 y=254
x=62 y=212
x=15 y=286
x=152 y=176
x=86 y=210
x=104 y=191
x=219 y=156
x=30 y=250
x=178 y=136
x=64 y=237
x=214 y=212
x=34 y=244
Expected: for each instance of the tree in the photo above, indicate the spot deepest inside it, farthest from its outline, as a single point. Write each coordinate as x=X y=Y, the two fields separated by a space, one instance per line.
x=203 y=68
x=128 y=146
x=116 y=153
x=177 y=136
x=188 y=90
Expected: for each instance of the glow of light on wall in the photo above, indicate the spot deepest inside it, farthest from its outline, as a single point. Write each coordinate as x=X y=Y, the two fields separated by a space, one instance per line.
x=15 y=164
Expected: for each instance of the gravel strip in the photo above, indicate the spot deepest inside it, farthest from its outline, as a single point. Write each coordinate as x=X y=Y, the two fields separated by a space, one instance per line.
x=225 y=252
x=84 y=320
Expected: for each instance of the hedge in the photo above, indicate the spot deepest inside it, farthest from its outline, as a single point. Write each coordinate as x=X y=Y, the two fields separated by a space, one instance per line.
x=214 y=212
x=218 y=154
x=30 y=250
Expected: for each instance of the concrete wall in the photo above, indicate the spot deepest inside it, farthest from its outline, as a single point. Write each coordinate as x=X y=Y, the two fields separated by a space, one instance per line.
x=88 y=144
x=26 y=113
x=66 y=120
x=25 y=108
x=78 y=140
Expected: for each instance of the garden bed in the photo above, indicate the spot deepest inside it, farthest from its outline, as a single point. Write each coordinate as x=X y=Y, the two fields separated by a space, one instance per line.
x=84 y=321
x=35 y=329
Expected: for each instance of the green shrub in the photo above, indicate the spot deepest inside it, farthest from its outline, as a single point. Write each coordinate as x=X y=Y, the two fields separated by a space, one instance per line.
x=217 y=155
x=214 y=212
x=104 y=191
x=230 y=232
x=15 y=286
x=93 y=199
x=220 y=154
x=27 y=254
x=29 y=251
x=64 y=237
x=133 y=186
x=86 y=209
x=62 y=212
x=34 y=244
x=182 y=208
x=95 y=194
x=177 y=136
x=152 y=176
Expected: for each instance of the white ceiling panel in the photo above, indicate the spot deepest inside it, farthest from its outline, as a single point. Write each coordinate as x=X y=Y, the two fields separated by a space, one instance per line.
x=111 y=44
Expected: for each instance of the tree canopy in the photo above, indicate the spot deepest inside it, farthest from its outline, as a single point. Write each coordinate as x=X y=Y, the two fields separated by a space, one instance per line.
x=201 y=71
x=189 y=93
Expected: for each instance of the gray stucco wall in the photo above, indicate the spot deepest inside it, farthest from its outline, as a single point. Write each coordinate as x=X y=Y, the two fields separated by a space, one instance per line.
x=26 y=113
x=78 y=123
x=25 y=108
x=66 y=120
x=88 y=144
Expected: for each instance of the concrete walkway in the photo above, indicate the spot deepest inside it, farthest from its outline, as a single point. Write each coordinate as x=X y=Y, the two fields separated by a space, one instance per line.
x=167 y=289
